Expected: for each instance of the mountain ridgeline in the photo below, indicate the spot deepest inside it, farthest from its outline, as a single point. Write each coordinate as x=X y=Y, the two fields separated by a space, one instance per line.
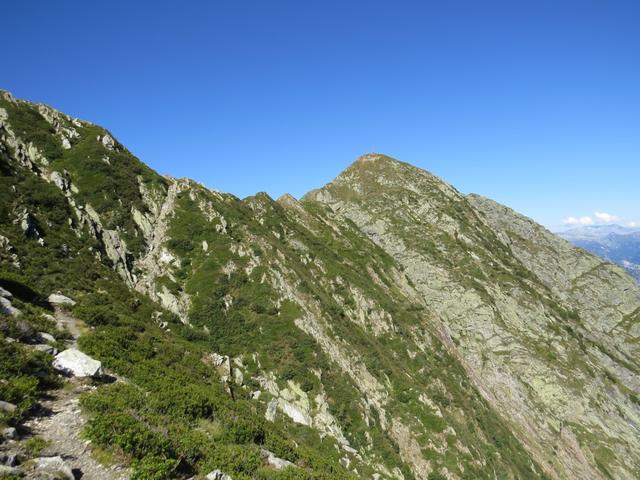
x=384 y=326
x=616 y=244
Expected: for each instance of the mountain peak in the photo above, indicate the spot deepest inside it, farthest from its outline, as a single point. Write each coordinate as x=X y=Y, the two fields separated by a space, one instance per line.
x=376 y=161
x=374 y=157
x=375 y=174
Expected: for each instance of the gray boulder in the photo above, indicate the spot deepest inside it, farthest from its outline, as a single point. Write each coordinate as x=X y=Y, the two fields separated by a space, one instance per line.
x=59 y=299
x=74 y=362
x=7 y=308
x=7 y=407
x=46 y=337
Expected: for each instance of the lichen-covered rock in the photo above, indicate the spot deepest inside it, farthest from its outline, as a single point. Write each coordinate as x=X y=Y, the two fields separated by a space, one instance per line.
x=60 y=300
x=7 y=407
x=7 y=307
x=74 y=362
x=274 y=461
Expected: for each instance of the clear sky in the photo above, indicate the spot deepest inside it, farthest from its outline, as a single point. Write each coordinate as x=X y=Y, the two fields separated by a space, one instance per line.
x=533 y=103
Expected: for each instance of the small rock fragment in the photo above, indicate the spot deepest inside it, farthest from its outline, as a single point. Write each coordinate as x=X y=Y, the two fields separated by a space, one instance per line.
x=217 y=475
x=43 y=347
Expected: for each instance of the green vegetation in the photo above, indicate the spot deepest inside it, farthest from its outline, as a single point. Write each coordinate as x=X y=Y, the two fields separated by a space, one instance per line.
x=35 y=445
x=253 y=270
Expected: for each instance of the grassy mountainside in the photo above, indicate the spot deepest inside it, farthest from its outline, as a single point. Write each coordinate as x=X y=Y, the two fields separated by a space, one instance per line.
x=383 y=327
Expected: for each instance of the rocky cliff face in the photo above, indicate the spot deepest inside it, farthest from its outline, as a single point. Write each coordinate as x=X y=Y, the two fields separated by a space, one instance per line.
x=385 y=323
x=528 y=315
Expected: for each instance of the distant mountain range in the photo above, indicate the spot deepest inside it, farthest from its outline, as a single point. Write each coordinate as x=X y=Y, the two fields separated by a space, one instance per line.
x=614 y=243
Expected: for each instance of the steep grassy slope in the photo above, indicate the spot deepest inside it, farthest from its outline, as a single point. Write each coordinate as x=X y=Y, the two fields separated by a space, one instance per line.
x=174 y=417
x=384 y=327
x=315 y=306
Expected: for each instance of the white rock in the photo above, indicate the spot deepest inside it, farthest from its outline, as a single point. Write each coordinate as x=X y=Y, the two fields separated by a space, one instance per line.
x=7 y=308
x=166 y=257
x=78 y=364
x=7 y=407
x=5 y=293
x=59 y=181
x=217 y=475
x=295 y=413
x=272 y=408
x=65 y=144
x=238 y=377
x=275 y=462
x=59 y=299
x=47 y=337
x=54 y=466
x=108 y=142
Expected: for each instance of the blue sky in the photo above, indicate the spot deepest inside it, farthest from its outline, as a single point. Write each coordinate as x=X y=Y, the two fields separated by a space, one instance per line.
x=535 y=104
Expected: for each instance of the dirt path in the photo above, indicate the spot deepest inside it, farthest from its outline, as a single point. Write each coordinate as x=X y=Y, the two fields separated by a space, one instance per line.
x=64 y=319
x=61 y=422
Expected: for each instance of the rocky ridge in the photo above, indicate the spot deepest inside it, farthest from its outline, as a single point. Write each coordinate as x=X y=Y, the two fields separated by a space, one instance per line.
x=398 y=327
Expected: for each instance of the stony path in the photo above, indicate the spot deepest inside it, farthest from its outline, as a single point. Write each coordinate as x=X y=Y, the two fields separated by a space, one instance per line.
x=62 y=424
x=70 y=323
